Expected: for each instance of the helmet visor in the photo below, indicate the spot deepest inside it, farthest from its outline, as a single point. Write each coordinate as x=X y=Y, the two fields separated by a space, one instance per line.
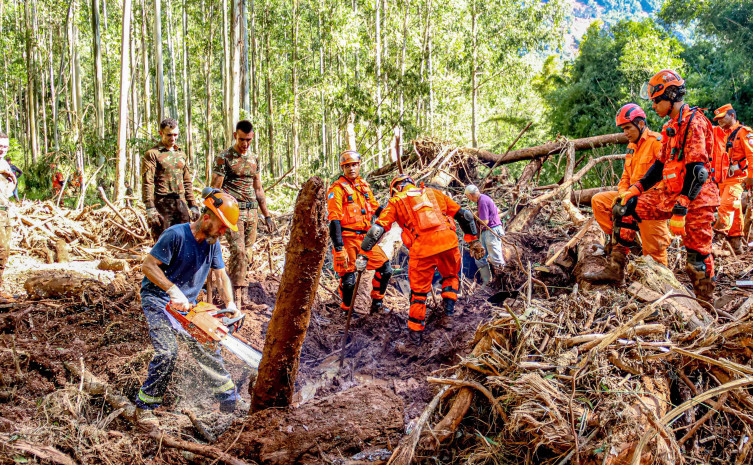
x=645 y=91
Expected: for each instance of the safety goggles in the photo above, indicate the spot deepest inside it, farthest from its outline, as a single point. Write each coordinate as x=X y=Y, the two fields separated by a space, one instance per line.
x=648 y=90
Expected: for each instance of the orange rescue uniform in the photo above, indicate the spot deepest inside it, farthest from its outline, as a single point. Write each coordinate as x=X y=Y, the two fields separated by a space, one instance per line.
x=426 y=216
x=732 y=147
x=654 y=233
x=353 y=204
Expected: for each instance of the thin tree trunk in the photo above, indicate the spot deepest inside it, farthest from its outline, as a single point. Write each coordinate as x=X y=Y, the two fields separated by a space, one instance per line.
x=31 y=121
x=379 y=160
x=53 y=97
x=160 y=75
x=99 y=97
x=402 y=57
x=172 y=100
x=41 y=104
x=244 y=84
x=210 y=147
x=125 y=80
x=270 y=113
x=236 y=50
x=136 y=121
x=294 y=79
x=254 y=76
x=187 y=87
x=474 y=71
x=321 y=89
x=226 y=79
x=146 y=77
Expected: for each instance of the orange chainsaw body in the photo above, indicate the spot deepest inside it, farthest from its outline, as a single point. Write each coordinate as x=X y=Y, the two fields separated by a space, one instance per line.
x=201 y=324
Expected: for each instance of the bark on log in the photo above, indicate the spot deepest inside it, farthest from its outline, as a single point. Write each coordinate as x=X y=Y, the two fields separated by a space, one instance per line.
x=588 y=260
x=65 y=284
x=290 y=319
x=587 y=143
x=583 y=197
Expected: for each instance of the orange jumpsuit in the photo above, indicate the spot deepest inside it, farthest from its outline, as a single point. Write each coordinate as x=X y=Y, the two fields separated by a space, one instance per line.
x=657 y=204
x=740 y=153
x=425 y=215
x=654 y=233
x=353 y=204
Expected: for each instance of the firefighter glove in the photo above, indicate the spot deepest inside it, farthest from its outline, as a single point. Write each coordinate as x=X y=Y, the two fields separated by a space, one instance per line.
x=477 y=250
x=153 y=217
x=748 y=183
x=340 y=261
x=178 y=300
x=677 y=222
x=634 y=191
x=361 y=262
x=194 y=212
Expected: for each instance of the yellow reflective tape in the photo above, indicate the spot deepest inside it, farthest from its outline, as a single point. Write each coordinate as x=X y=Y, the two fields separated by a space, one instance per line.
x=149 y=399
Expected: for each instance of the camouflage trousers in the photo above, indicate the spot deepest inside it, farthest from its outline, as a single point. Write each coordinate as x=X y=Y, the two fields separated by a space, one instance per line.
x=173 y=209
x=239 y=246
x=5 y=230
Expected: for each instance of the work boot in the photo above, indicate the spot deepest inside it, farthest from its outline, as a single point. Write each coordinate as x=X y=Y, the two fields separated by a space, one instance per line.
x=703 y=286
x=145 y=419
x=614 y=271
x=737 y=244
x=486 y=275
x=449 y=306
x=416 y=337
x=377 y=307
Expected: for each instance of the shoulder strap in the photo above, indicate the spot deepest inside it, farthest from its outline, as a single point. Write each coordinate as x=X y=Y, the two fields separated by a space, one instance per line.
x=681 y=156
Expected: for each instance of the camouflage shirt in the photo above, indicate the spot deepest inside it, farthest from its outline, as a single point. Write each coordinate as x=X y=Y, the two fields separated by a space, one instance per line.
x=164 y=172
x=239 y=172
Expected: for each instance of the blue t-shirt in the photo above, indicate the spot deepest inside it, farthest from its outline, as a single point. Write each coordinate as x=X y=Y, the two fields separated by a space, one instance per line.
x=185 y=262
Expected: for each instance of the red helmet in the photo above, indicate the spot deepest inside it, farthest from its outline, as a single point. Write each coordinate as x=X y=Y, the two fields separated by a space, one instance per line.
x=349 y=156
x=628 y=113
x=398 y=182
x=657 y=85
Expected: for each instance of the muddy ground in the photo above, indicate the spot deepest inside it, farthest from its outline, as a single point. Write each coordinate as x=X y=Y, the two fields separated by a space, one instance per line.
x=104 y=331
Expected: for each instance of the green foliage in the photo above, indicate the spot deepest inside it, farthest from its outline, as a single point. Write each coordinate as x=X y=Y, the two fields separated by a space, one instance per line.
x=612 y=65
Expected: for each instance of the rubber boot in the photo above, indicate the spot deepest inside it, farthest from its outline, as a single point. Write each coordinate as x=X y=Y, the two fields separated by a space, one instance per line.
x=377 y=307
x=449 y=310
x=614 y=271
x=703 y=286
x=737 y=244
x=486 y=275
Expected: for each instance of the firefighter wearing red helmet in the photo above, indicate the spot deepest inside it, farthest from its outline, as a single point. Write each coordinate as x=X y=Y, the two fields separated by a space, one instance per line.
x=427 y=217
x=732 y=171
x=351 y=205
x=643 y=149
x=685 y=197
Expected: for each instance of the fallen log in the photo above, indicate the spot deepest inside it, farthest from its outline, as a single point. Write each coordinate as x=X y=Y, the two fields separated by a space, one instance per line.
x=290 y=320
x=583 y=197
x=529 y=153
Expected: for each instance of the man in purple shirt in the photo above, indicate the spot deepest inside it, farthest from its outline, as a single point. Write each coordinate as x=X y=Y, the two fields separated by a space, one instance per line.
x=489 y=216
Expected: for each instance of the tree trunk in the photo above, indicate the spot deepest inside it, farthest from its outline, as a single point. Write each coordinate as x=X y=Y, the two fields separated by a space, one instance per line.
x=287 y=328
x=53 y=96
x=226 y=80
x=254 y=77
x=125 y=80
x=244 y=84
x=270 y=113
x=99 y=94
x=236 y=50
x=172 y=87
x=208 y=80
x=294 y=79
x=474 y=72
x=529 y=153
x=187 y=88
x=380 y=159
x=160 y=74
x=31 y=121
x=145 y=69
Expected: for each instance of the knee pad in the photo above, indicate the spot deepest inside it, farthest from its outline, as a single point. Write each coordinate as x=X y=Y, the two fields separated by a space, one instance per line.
x=348 y=281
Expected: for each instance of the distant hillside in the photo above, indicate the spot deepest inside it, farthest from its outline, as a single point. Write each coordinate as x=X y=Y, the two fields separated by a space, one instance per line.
x=584 y=12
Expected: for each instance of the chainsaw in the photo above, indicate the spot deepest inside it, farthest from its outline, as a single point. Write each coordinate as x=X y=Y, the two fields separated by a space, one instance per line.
x=207 y=324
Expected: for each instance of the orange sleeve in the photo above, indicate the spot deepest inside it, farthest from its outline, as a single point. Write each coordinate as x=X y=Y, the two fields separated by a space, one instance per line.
x=388 y=216
x=624 y=183
x=747 y=146
x=449 y=206
x=700 y=141
x=334 y=203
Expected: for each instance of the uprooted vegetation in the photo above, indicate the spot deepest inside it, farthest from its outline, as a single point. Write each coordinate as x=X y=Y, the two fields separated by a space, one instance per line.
x=537 y=368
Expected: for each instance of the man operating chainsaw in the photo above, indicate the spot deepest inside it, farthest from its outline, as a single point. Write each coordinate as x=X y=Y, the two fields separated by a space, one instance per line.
x=174 y=272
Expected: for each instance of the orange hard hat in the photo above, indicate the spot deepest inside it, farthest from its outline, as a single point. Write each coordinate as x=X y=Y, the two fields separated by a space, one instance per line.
x=657 y=85
x=349 y=156
x=223 y=205
x=398 y=182
x=721 y=112
x=628 y=113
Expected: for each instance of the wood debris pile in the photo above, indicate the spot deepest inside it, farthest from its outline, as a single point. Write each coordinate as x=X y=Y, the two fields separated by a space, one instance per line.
x=55 y=234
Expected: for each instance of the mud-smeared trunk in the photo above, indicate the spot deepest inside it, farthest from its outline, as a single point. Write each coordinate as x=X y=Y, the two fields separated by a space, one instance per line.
x=290 y=319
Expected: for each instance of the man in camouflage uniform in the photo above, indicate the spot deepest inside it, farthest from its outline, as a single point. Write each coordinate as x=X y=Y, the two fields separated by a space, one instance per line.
x=167 y=189
x=7 y=186
x=236 y=171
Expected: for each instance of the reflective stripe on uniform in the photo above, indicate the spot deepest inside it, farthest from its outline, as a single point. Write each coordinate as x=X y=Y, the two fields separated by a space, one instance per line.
x=225 y=387
x=147 y=399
